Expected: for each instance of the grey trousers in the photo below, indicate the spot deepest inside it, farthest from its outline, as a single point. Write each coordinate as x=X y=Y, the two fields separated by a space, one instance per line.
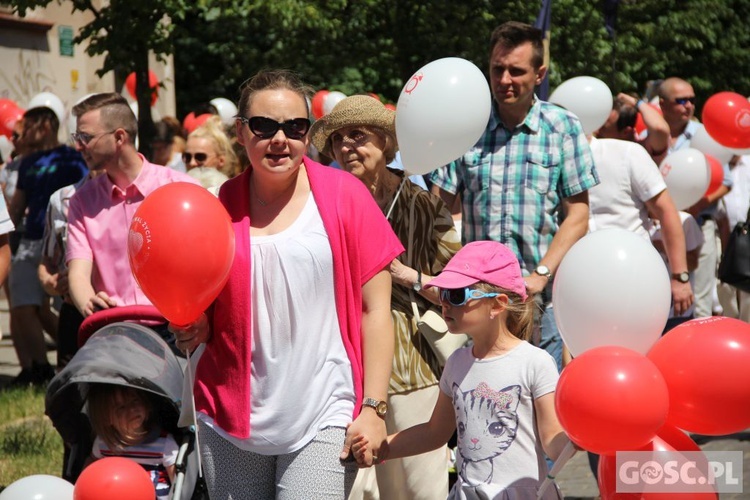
x=313 y=472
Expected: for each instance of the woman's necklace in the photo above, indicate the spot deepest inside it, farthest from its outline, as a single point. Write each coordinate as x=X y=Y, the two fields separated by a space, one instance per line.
x=266 y=203
x=255 y=193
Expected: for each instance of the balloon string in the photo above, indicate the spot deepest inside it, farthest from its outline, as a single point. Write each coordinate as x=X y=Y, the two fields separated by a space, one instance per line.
x=194 y=415
x=565 y=455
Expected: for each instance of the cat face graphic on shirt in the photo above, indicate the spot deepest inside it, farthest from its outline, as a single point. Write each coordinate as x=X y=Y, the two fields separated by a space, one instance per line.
x=487 y=422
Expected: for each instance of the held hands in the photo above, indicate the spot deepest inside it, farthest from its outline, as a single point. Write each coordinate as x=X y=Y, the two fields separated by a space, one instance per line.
x=366 y=440
x=188 y=337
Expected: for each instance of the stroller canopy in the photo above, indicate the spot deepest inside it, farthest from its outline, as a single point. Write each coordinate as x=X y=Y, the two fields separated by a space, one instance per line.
x=125 y=354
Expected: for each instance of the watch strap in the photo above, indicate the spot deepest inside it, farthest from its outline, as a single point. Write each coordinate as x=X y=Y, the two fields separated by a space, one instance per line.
x=682 y=277
x=417 y=286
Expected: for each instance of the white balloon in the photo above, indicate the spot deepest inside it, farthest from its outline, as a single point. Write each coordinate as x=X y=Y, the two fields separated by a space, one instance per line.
x=38 y=487
x=226 y=108
x=706 y=144
x=687 y=175
x=586 y=97
x=49 y=100
x=331 y=100
x=612 y=288
x=441 y=113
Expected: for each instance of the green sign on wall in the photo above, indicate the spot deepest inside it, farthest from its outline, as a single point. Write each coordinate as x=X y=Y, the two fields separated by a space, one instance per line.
x=65 y=33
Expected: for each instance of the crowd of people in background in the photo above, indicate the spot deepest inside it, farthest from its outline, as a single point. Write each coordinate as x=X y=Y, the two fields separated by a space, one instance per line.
x=333 y=270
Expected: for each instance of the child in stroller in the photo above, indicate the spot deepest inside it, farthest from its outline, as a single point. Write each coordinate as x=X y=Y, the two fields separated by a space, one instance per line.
x=126 y=425
x=125 y=355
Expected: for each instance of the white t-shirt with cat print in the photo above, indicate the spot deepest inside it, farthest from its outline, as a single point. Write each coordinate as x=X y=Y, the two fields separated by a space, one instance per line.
x=499 y=453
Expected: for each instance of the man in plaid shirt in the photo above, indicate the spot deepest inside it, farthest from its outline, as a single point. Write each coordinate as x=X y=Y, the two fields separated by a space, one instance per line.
x=525 y=181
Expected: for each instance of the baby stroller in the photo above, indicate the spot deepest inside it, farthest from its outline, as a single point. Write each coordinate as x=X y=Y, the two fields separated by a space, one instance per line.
x=123 y=353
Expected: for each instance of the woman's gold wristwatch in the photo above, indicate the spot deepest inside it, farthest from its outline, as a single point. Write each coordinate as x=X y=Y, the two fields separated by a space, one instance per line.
x=380 y=407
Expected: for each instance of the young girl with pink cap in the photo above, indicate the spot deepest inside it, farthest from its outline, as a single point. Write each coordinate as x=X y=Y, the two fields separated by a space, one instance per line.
x=499 y=392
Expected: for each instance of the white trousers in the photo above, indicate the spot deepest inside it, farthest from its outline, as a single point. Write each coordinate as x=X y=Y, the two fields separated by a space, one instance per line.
x=705 y=273
x=736 y=303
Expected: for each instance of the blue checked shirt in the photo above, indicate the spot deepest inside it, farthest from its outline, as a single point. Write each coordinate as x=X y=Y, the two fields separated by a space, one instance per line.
x=513 y=181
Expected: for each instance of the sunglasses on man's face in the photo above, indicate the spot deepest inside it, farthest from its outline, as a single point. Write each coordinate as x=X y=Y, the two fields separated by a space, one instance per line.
x=84 y=139
x=199 y=157
x=460 y=296
x=265 y=128
x=684 y=100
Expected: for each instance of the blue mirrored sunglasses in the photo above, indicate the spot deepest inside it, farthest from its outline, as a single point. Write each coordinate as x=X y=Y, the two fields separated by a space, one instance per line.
x=684 y=100
x=460 y=296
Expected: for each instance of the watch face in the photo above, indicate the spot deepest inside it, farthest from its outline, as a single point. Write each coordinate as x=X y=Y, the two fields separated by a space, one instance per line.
x=542 y=271
x=382 y=408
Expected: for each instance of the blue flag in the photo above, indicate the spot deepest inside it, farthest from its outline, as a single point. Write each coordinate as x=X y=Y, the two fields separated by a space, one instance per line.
x=610 y=16
x=544 y=22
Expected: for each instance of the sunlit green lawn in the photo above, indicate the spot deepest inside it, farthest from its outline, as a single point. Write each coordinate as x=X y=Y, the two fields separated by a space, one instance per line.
x=28 y=443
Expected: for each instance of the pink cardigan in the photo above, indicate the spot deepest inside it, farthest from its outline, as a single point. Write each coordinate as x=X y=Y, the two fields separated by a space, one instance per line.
x=362 y=244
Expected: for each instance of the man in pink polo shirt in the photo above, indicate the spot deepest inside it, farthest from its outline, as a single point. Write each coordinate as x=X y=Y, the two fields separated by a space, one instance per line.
x=101 y=211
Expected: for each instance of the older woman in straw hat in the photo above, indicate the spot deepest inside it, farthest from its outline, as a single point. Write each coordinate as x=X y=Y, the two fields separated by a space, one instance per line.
x=360 y=135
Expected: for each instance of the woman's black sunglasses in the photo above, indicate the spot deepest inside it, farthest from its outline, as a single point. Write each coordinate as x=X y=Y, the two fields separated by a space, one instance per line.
x=199 y=157
x=265 y=128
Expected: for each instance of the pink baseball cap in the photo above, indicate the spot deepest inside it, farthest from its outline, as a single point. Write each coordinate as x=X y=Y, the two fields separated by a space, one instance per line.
x=487 y=261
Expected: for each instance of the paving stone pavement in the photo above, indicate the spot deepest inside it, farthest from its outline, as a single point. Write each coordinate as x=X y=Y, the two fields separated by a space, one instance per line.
x=575 y=480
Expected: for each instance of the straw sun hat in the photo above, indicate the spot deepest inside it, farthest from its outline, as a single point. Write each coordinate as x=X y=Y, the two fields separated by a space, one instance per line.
x=355 y=110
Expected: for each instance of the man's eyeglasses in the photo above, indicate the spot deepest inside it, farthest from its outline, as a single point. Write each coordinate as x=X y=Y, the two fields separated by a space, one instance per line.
x=83 y=138
x=265 y=128
x=199 y=157
x=684 y=100
x=460 y=296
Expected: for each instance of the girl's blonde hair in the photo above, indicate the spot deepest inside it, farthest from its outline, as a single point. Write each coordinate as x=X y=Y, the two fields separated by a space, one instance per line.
x=102 y=401
x=520 y=313
x=213 y=130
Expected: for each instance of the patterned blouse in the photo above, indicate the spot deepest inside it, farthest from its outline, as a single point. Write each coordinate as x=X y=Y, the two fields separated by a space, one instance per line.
x=435 y=241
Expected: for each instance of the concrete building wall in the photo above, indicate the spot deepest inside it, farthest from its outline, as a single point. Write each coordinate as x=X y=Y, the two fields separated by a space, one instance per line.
x=35 y=57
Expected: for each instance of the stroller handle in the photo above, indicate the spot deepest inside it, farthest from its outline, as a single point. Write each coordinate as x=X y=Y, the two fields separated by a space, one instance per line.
x=99 y=319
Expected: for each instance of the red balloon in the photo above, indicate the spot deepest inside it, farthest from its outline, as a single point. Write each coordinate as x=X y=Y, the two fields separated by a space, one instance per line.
x=611 y=398
x=188 y=123
x=181 y=247
x=192 y=122
x=726 y=116
x=153 y=83
x=114 y=478
x=390 y=106
x=706 y=365
x=317 y=103
x=10 y=113
x=717 y=174
x=669 y=438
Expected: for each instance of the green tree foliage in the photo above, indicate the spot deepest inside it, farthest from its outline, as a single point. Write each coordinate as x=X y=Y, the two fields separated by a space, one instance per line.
x=376 y=45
